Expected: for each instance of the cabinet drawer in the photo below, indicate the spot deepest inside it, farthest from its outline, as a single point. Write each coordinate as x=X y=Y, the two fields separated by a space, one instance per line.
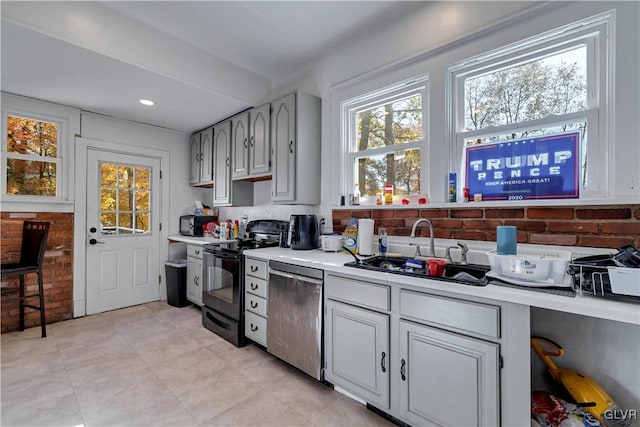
x=195 y=251
x=256 y=286
x=256 y=268
x=358 y=292
x=255 y=304
x=255 y=328
x=450 y=313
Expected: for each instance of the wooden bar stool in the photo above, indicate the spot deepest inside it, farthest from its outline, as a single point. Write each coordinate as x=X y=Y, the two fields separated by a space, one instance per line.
x=34 y=239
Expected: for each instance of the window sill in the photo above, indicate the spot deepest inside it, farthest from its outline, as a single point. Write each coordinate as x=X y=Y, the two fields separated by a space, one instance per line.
x=496 y=204
x=38 y=206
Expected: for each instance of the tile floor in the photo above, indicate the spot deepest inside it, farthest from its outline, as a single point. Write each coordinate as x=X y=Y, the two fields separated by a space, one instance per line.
x=155 y=365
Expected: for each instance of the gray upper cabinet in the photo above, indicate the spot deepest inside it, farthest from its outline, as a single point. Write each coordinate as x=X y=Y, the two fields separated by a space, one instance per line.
x=222 y=163
x=240 y=146
x=250 y=144
x=260 y=141
x=225 y=191
x=295 y=149
x=201 y=149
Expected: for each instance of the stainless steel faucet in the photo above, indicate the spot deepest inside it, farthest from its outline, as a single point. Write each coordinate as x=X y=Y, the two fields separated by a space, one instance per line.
x=463 y=252
x=432 y=249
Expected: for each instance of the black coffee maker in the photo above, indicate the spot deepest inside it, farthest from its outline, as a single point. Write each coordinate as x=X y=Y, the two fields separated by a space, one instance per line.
x=303 y=232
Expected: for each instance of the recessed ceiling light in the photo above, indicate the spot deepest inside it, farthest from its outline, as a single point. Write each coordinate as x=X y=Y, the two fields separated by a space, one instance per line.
x=146 y=102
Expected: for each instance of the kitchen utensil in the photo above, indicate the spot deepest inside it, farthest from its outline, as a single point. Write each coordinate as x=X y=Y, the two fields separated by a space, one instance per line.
x=331 y=242
x=507 y=240
x=585 y=391
x=436 y=267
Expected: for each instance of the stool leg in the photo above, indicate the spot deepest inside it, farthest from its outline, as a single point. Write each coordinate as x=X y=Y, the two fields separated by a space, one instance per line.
x=22 y=302
x=43 y=325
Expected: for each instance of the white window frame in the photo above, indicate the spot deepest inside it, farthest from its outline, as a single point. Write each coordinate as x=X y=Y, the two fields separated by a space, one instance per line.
x=350 y=108
x=68 y=121
x=596 y=34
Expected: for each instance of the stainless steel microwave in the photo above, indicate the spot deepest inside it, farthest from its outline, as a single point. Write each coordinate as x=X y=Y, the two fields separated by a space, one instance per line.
x=191 y=225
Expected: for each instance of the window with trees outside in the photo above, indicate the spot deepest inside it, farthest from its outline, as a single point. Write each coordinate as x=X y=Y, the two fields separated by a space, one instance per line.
x=386 y=137
x=550 y=85
x=33 y=165
x=125 y=199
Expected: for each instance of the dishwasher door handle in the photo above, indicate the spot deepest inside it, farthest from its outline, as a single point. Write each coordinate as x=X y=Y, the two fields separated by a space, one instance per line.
x=296 y=277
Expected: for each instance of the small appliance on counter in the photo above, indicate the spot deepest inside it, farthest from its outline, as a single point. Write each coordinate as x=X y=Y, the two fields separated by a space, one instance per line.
x=303 y=232
x=192 y=225
x=331 y=242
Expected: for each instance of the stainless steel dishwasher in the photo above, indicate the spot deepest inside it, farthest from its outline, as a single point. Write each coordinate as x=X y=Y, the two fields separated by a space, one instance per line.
x=294 y=316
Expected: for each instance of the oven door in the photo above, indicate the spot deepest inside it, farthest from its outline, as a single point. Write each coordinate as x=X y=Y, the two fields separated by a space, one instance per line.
x=223 y=283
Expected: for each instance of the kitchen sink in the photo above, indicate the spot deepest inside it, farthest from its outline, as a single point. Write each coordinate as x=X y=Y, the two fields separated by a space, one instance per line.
x=468 y=274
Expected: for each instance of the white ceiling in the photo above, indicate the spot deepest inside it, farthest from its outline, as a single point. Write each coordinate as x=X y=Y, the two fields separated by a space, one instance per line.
x=199 y=61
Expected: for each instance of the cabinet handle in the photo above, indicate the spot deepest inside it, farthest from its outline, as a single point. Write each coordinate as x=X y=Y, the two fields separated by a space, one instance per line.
x=197 y=252
x=245 y=143
x=254 y=268
x=253 y=286
x=253 y=328
x=402 y=375
x=291 y=146
x=382 y=362
x=228 y=162
x=254 y=304
x=196 y=279
x=251 y=141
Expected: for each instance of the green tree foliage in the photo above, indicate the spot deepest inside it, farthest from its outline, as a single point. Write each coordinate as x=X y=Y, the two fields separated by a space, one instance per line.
x=391 y=124
x=38 y=140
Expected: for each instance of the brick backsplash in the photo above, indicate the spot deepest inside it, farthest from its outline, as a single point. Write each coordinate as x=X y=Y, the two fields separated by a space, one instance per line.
x=589 y=226
x=57 y=269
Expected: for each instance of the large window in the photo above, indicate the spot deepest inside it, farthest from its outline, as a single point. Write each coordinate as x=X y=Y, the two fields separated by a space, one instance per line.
x=385 y=134
x=539 y=89
x=32 y=157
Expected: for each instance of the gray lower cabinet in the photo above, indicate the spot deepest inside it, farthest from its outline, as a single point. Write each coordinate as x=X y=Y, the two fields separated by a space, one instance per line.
x=358 y=351
x=256 y=291
x=194 y=274
x=447 y=379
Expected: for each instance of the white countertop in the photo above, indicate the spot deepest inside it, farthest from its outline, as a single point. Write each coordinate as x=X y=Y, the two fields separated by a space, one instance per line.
x=583 y=305
x=195 y=240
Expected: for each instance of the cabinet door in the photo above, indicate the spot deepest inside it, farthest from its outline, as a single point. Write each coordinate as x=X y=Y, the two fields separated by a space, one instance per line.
x=357 y=351
x=222 y=163
x=283 y=150
x=194 y=280
x=194 y=147
x=206 y=156
x=259 y=141
x=240 y=146
x=447 y=379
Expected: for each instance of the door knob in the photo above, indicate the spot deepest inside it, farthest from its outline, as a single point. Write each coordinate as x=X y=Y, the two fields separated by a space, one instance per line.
x=95 y=242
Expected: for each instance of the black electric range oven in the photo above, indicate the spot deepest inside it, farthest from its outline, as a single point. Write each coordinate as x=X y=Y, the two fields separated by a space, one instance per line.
x=223 y=301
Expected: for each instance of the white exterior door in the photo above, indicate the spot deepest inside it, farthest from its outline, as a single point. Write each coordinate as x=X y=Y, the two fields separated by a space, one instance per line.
x=122 y=236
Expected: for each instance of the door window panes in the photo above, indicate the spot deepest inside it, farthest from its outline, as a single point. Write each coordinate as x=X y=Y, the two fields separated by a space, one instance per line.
x=125 y=199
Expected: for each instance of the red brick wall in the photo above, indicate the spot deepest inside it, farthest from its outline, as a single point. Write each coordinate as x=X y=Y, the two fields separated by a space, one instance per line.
x=591 y=226
x=57 y=270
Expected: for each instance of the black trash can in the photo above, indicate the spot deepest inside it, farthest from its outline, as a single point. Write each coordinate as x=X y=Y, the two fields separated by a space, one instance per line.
x=176 y=275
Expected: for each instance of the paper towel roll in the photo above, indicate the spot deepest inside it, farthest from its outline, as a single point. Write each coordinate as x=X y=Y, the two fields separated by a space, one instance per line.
x=365 y=236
